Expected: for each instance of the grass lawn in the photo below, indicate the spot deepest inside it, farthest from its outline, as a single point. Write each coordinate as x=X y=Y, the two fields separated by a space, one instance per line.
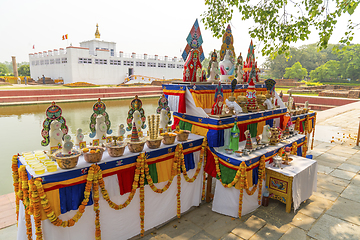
x=343 y=84
x=284 y=90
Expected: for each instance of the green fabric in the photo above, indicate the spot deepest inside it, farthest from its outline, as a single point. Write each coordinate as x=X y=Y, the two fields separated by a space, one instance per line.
x=153 y=173
x=253 y=129
x=303 y=125
x=185 y=125
x=227 y=174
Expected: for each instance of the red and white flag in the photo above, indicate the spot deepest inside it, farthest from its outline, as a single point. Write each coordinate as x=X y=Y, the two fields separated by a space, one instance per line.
x=64 y=37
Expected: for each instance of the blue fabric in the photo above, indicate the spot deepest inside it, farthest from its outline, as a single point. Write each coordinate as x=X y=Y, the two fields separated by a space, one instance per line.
x=270 y=122
x=71 y=197
x=299 y=151
x=207 y=87
x=189 y=161
x=255 y=175
x=233 y=160
x=309 y=156
x=215 y=138
x=229 y=120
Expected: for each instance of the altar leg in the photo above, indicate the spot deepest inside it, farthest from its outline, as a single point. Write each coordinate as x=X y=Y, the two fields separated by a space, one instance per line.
x=209 y=195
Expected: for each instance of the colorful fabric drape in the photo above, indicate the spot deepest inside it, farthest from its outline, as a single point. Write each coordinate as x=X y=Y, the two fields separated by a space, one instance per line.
x=229 y=166
x=213 y=128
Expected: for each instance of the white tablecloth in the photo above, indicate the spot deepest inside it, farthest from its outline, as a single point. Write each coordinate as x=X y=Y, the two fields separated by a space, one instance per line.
x=304 y=173
x=226 y=200
x=125 y=223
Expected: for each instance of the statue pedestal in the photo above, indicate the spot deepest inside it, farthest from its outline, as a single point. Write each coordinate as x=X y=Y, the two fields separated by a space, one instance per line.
x=226 y=78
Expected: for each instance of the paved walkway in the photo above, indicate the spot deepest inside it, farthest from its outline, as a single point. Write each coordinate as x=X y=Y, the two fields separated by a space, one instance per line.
x=333 y=212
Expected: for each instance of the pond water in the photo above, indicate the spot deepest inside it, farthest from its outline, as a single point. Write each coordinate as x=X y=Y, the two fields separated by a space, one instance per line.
x=21 y=127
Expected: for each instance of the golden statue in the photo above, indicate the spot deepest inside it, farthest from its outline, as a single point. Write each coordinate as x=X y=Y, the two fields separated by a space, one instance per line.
x=97 y=34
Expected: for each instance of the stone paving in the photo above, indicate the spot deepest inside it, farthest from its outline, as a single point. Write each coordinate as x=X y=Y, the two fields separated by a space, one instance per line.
x=332 y=212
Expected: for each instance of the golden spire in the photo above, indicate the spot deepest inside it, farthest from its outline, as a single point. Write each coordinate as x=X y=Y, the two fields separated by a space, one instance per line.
x=97 y=34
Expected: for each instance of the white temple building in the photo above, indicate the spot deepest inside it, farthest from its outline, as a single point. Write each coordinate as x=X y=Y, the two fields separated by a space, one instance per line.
x=96 y=61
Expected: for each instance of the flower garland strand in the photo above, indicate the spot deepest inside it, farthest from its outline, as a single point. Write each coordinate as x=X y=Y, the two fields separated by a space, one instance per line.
x=203 y=155
x=141 y=158
x=15 y=174
x=313 y=133
x=218 y=172
x=51 y=214
x=151 y=182
x=24 y=188
x=95 y=186
x=242 y=168
x=177 y=159
x=304 y=147
x=35 y=203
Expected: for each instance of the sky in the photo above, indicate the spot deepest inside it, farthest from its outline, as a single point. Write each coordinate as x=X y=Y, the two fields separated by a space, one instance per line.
x=153 y=27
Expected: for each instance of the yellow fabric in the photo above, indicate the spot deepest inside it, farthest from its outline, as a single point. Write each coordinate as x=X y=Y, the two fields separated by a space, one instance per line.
x=54 y=200
x=205 y=98
x=199 y=130
x=260 y=127
x=249 y=180
x=164 y=170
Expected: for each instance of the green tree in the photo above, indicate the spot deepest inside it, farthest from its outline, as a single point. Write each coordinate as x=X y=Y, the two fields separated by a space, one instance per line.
x=295 y=72
x=326 y=72
x=279 y=23
x=24 y=70
x=3 y=69
x=350 y=62
x=307 y=55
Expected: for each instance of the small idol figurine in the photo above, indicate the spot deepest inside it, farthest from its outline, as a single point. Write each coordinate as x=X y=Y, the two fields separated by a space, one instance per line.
x=100 y=128
x=68 y=145
x=79 y=136
x=55 y=134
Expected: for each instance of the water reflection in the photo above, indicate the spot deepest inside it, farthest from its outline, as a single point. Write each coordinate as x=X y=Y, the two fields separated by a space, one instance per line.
x=21 y=127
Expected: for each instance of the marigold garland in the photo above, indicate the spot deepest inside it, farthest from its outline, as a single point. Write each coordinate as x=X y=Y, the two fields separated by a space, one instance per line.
x=141 y=158
x=51 y=214
x=32 y=193
x=177 y=159
x=15 y=172
x=203 y=155
x=313 y=133
x=304 y=150
x=23 y=185
x=96 y=196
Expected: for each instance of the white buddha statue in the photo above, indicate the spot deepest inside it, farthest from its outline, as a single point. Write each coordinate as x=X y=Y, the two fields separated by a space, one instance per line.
x=68 y=145
x=137 y=120
x=79 y=136
x=164 y=120
x=266 y=134
x=121 y=131
x=100 y=128
x=55 y=134
x=227 y=67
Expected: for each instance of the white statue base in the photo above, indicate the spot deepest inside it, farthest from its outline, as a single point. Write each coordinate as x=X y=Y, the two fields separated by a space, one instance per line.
x=226 y=78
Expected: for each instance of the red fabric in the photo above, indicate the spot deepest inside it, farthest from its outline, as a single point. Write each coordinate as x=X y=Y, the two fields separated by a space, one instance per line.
x=301 y=126
x=282 y=126
x=210 y=167
x=242 y=128
x=176 y=122
x=126 y=178
x=182 y=103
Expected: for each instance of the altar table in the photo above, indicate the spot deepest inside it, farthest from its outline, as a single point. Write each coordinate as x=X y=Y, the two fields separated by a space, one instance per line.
x=226 y=200
x=124 y=223
x=292 y=183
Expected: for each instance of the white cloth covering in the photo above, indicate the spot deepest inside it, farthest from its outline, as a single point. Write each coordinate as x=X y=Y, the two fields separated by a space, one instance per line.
x=226 y=200
x=304 y=173
x=191 y=108
x=125 y=223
